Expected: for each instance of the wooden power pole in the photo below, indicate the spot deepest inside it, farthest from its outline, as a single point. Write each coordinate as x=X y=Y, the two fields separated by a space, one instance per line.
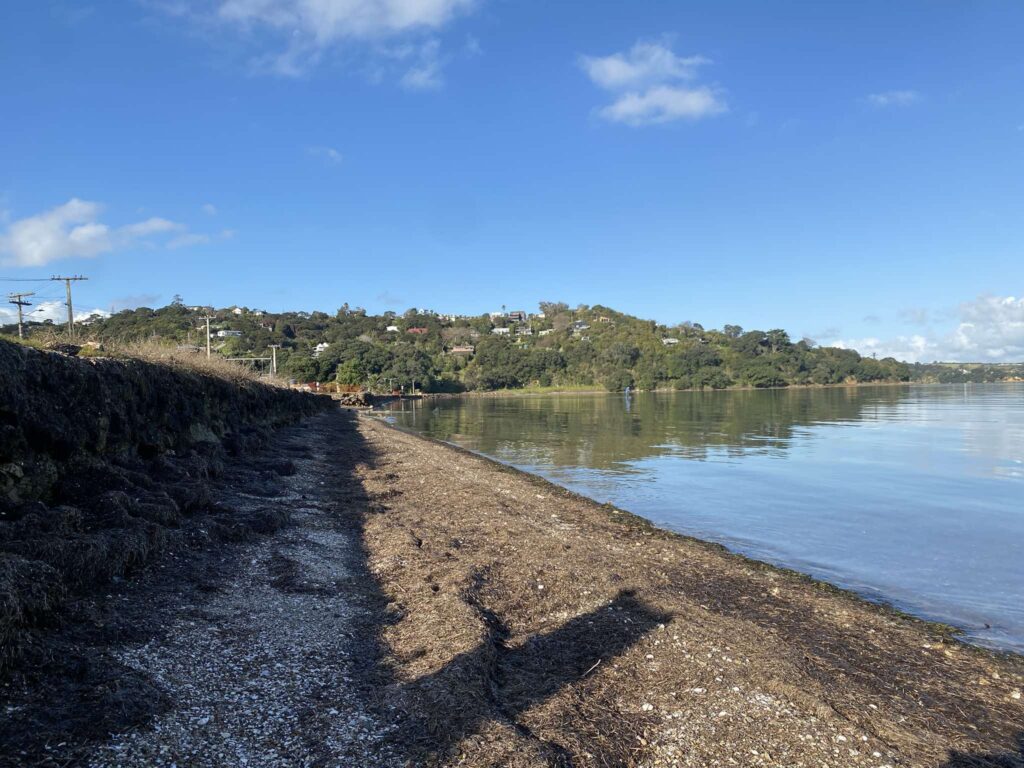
x=71 y=311
x=207 y=319
x=18 y=299
x=273 y=359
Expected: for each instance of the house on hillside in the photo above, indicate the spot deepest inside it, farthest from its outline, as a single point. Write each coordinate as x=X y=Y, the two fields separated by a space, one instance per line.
x=546 y=332
x=320 y=348
x=462 y=349
x=501 y=331
x=524 y=330
x=517 y=316
x=228 y=334
x=392 y=329
x=668 y=342
x=417 y=331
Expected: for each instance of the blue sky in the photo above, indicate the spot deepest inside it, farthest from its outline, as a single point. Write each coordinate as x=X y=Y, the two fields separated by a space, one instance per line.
x=850 y=172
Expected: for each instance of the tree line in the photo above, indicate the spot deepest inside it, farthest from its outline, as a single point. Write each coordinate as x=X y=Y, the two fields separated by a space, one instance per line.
x=559 y=346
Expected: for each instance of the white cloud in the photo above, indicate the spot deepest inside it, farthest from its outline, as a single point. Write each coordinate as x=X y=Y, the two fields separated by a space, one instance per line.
x=303 y=31
x=652 y=85
x=73 y=230
x=325 y=22
x=425 y=73
x=54 y=310
x=893 y=98
x=151 y=226
x=187 y=239
x=329 y=154
x=663 y=104
x=989 y=329
x=210 y=209
x=644 y=64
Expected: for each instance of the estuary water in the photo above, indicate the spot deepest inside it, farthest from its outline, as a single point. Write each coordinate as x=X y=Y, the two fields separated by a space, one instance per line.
x=913 y=495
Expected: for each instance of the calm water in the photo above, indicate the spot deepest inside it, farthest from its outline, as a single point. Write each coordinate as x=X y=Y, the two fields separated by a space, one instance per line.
x=912 y=495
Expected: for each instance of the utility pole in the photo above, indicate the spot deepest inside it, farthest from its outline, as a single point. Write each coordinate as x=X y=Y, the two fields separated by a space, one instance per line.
x=19 y=300
x=273 y=358
x=71 y=312
x=207 y=319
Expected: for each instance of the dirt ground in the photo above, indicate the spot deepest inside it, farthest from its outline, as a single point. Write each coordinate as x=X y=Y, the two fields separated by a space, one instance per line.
x=535 y=627
x=425 y=606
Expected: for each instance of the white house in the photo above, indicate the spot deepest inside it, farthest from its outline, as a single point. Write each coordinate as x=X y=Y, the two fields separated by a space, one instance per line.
x=320 y=348
x=669 y=341
x=500 y=331
x=546 y=332
x=392 y=329
x=228 y=334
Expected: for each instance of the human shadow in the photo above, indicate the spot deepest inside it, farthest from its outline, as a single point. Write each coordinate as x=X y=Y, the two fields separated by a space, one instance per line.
x=1014 y=759
x=499 y=681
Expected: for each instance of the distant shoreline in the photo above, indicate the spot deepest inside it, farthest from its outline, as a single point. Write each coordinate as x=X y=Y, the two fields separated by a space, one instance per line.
x=528 y=392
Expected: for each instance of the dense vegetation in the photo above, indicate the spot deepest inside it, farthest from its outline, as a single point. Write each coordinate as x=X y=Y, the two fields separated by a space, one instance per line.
x=557 y=347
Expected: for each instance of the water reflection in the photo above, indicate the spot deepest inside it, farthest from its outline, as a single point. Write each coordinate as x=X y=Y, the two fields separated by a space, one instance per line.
x=605 y=432
x=910 y=494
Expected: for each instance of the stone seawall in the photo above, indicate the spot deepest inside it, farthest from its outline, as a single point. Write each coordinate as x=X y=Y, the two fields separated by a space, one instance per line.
x=105 y=463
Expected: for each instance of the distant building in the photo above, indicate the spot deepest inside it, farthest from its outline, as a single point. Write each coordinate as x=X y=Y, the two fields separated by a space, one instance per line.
x=517 y=317
x=392 y=329
x=320 y=348
x=668 y=342
x=604 y=319
x=495 y=315
x=463 y=349
x=237 y=310
x=546 y=332
x=417 y=331
x=501 y=331
x=524 y=330
x=228 y=334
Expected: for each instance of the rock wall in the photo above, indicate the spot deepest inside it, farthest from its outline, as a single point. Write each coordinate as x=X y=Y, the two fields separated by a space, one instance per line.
x=104 y=464
x=56 y=411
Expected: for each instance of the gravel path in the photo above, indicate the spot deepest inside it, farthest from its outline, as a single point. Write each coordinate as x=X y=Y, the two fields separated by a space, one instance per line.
x=267 y=670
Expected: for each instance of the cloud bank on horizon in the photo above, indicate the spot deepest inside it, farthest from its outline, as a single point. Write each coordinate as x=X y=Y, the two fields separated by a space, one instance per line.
x=990 y=329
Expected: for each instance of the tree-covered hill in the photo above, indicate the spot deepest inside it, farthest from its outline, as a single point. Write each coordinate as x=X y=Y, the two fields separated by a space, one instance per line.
x=558 y=346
